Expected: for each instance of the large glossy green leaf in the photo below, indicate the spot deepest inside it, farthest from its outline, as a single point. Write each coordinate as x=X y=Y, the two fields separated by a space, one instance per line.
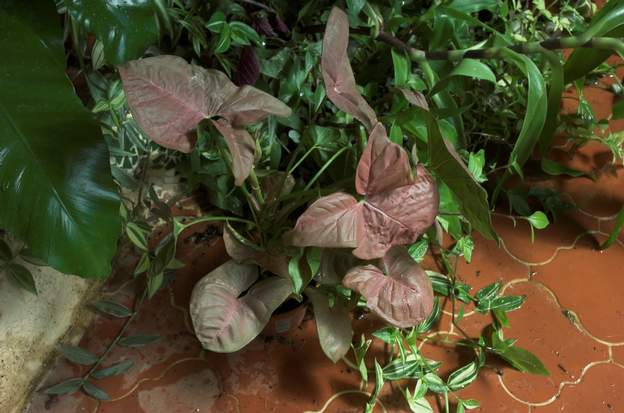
x=56 y=189
x=535 y=111
x=444 y=161
x=125 y=27
x=608 y=22
x=470 y=68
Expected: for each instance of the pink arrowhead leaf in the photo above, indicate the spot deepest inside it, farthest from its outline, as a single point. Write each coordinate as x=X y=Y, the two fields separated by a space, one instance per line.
x=337 y=73
x=242 y=149
x=415 y=98
x=169 y=97
x=403 y=296
x=396 y=211
x=225 y=322
x=384 y=165
x=331 y=221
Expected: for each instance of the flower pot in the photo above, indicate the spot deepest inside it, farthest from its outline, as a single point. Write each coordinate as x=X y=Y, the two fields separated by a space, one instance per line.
x=286 y=319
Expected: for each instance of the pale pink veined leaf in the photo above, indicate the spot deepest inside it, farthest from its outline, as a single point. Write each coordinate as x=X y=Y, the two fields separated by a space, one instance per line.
x=225 y=322
x=415 y=98
x=337 y=73
x=249 y=105
x=242 y=149
x=403 y=296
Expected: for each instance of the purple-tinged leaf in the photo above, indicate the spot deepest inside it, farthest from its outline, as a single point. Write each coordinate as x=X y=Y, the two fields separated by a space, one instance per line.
x=281 y=26
x=337 y=73
x=242 y=149
x=331 y=221
x=225 y=322
x=398 y=216
x=333 y=324
x=248 y=70
x=403 y=296
x=383 y=166
x=262 y=25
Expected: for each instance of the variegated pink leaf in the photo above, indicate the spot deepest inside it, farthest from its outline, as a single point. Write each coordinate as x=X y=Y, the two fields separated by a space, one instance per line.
x=225 y=322
x=337 y=73
x=249 y=105
x=242 y=149
x=415 y=98
x=398 y=216
x=383 y=166
x=168 y=97
x=331 y=221
x=403 y=296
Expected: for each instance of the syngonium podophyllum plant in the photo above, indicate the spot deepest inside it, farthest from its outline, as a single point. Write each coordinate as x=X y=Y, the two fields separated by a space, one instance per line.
x=397 y=203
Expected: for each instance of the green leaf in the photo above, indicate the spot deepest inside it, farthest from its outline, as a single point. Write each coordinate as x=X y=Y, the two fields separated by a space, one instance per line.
x=435 y=383
x=523 y=360
x=617 y=110
x=313 y=257
x=444 y=161
x=5 y=251
x=433 y=317
x=143 y=264
x=387 y=334
x=294 y=271
x=607 y=22
x=224 y=40
x=471 y=404
x=462 y=377
x=619 y=224
x=94 y=391
x=472 y=6
x=401 y=69
x=22 y=277
x=65 y=387
x=78 y=355
x=488 y=292
x=242 y=34
x=113 y=308
x=138 y=340
x=555 y=91
x=535 y=114
x=555 y=169
x=418 y=250
x=55 y=163
x=154 y=282
x=538 y=220
x=274 y=65
x=216 y=22
x=379 y=382
x=113 y=370
x=137 y=235
x=126 y=28
x=470 y=68
x=507 y=303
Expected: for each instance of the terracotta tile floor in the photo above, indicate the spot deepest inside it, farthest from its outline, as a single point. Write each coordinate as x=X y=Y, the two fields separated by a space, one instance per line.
x=573 y=320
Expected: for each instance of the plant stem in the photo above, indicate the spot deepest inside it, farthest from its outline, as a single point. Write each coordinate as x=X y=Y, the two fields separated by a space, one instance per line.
x=255 y=186
x=121 y=332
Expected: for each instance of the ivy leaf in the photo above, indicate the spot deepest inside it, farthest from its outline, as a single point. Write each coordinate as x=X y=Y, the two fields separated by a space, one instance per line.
x=22 y=277
x=113 y=370
x=113 y=308
x=94 y=391
x=78 y=355
x=66 y=387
